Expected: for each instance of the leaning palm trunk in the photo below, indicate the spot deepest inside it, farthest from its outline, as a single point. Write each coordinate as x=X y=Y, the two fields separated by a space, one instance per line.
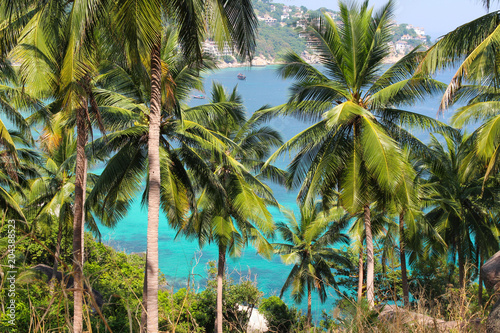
x=220 y=283
x=370 y=263
x=402 y=256
x=154 y=191
x=78 y=227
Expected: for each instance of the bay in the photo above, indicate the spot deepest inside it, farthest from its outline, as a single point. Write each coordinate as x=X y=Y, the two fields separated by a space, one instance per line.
x=180 y=257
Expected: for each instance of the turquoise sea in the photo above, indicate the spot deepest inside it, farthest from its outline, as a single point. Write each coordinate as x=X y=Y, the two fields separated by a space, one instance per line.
x=180 y=257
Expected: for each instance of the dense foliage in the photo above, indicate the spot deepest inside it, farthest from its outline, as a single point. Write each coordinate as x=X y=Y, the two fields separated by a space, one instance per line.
x=418 y=220
x=273 y=41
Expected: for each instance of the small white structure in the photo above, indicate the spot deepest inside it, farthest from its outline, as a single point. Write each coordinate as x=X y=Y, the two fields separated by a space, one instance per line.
x=419 y=31
x=269 y=20
x=301 y=24
x=401 y=46
x=211 y=47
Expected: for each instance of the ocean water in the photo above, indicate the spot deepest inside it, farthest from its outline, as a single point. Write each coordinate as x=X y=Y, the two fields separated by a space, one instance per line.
x=180 y=257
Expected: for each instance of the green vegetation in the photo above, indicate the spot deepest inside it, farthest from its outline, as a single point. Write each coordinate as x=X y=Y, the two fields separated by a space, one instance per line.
x=273 y=41
x=419 y=219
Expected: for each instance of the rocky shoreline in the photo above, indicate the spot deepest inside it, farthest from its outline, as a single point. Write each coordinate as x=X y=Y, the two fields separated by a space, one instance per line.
x=262 y=61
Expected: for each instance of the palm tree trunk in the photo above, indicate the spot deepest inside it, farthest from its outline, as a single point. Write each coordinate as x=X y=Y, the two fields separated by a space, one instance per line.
x=480 y=288
x=309 y=305
x=461 y=266
x=360 y=276
x=220 y=282
x=370 y=263
x=78 y=221
x=154 y=190
x=402 y=256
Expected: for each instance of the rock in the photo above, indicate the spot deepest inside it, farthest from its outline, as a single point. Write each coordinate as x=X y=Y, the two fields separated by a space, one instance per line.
x=392 y=313
x=493 y=322
x=259 y=61
x=491 y=271
x=257 y=323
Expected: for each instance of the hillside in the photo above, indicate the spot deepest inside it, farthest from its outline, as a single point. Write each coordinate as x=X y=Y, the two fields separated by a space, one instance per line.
x=283 y=28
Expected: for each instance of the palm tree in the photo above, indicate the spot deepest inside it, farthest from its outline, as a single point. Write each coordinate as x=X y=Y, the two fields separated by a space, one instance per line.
x=459 y=212
x=481 y=110
x=58 y=63
x=307 y=244
x=233 y=22
x=13 y=101
x=50 y=197
x=232 y=205
x=354 y=146
x=471 y=47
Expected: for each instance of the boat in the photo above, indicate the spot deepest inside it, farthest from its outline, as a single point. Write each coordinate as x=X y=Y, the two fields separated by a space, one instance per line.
x=241 y=77
x=199 y=96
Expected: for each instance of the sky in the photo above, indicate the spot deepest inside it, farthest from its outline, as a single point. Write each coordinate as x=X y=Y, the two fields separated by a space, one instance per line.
x=437 y=17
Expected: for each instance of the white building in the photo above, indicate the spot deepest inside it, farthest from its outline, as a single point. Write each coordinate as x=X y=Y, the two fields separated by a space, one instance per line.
x=211 y=47
x=401 y=46
x=420 y=31
x=270 y=20
x=285 y=16
x=406 y=37
x=301 y=24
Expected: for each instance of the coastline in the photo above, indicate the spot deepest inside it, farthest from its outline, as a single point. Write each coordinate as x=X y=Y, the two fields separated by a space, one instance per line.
x=261 y=61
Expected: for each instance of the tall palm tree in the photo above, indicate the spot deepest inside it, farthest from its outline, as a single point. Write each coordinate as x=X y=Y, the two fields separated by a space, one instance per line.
x=232 y=22
x=58 y=63
x=232 y=205
x=354 y=146
x=308 y=245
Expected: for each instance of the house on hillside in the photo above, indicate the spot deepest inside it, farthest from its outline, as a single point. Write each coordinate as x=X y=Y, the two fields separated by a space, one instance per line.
x=285 y=17
x=270 y=20
x=419 y=31
x=406 y=37
x=301 y=24
x=402 y=46
x=210 y=47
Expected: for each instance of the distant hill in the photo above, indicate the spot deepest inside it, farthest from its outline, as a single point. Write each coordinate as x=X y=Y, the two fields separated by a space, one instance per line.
x=283 y=27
